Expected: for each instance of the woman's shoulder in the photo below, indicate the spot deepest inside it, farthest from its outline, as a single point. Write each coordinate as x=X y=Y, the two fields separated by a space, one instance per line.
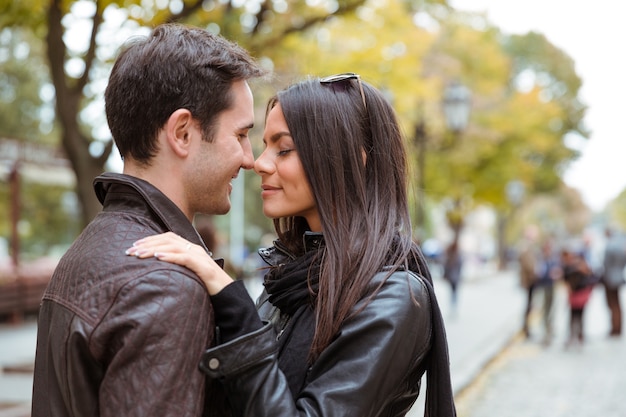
x=398 y=302
x=400 y=286
x=399 y=277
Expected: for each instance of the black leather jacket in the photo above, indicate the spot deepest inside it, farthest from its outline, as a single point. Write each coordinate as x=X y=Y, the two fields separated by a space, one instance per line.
x=372 y=368
x=119 y=336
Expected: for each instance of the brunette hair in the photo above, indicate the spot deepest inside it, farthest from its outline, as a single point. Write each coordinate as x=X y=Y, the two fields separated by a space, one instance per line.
x=174 y=67
x=354 y=158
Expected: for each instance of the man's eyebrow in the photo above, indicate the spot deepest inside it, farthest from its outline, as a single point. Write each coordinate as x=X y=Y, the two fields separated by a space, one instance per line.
x=248 y=126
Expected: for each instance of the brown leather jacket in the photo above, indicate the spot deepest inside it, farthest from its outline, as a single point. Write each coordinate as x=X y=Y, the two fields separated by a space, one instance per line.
x=118 y=336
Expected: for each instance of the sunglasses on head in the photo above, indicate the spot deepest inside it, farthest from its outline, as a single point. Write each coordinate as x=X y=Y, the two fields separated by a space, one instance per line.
x=346 y=76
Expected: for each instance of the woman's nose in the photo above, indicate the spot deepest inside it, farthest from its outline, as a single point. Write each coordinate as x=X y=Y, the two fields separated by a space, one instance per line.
x=262 y=165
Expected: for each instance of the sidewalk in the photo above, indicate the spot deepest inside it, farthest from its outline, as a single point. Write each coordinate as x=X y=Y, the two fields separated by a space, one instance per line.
x=17 y=354
x=531 y=379
x=488 y=317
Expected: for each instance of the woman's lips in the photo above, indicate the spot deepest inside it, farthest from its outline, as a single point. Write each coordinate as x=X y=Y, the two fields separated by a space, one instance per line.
x=268 y=190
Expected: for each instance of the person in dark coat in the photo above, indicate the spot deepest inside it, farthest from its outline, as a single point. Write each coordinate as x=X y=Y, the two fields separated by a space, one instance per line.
x=528 y=259
x=452 y=272
x=613 y=278
x=578 y=278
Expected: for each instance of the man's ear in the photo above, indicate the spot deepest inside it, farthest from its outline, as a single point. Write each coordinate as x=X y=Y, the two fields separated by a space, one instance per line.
x=179 y=130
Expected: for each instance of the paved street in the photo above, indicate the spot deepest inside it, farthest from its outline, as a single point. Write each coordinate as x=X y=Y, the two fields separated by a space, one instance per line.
x=494 y=371
x=531 y=380
x=17 y=353
x=487 y=318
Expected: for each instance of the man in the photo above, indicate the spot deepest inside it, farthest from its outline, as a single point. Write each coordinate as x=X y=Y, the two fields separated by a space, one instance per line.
x=119 y=336
x=528 y=274
x=548 y=273
x=613 y=278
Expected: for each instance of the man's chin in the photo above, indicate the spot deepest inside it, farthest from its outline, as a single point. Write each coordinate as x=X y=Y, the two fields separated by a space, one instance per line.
x=224 y=209
x=219 y=210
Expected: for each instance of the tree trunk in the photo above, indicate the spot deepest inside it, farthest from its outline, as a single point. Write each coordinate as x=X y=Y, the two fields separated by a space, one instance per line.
x=501 y=224
x=68 y=101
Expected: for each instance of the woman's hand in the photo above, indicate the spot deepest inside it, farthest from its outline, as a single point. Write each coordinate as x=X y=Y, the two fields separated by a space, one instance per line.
x=170 y=247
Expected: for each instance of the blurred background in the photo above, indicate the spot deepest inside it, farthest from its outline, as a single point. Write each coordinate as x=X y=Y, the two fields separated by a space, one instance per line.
x=495 y=114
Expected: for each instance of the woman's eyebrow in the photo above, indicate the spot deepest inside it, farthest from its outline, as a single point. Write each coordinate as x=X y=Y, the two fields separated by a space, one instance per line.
x=274 y=138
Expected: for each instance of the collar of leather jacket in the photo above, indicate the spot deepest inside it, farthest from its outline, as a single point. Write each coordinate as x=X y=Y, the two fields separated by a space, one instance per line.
x=163 y=208
x=279 y=254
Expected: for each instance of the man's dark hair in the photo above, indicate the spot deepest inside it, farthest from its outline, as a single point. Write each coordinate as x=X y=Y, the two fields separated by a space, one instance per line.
x=175 y=67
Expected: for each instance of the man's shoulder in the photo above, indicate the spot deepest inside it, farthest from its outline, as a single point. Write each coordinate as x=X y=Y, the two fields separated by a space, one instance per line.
x=91 y=276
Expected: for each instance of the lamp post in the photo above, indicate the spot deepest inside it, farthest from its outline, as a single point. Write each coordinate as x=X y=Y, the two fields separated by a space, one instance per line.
x=515 y=191
x=456 y=106
x=456 y=110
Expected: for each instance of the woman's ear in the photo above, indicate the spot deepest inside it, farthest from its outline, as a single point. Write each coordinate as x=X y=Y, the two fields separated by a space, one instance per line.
x=179 y=131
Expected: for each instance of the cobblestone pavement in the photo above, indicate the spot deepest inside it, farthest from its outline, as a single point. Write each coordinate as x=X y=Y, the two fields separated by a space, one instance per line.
x=529 y=379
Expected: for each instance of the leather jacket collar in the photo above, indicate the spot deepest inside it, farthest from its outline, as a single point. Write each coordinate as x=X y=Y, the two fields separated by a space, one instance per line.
x=279 y=254
x=109 y=184
x=158 y=202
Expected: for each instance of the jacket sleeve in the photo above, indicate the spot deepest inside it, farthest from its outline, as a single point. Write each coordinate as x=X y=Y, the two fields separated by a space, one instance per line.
x=374 y=361
x=150 y=342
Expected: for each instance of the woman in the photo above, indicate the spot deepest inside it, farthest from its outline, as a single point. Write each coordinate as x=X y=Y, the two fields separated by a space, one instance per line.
x=353 y=319
x=578 y=279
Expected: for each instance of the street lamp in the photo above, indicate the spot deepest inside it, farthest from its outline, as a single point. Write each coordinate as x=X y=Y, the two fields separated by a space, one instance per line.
x=515 y=191
x=456 y=106
x=456 y=110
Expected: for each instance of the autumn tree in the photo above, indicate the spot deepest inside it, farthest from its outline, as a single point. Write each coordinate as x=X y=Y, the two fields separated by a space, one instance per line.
x=525 y=91
x=27 y=118
x=77 y=73
x=525 y=101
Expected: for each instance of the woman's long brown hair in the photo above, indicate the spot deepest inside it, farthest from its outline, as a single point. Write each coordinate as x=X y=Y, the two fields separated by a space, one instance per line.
x=355 y=161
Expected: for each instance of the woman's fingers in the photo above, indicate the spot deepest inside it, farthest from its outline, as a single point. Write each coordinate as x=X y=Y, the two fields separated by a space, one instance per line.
x=165 y=242
x=172 y=248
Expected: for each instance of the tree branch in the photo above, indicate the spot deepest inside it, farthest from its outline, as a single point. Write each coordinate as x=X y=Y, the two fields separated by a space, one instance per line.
x=106 y=152
x=91 y=52
x=311 y=21
x=188 y=10
x=260 y=16
x=56 y=48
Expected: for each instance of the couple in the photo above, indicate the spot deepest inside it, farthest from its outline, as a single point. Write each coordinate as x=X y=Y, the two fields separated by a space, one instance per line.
x=348 y=322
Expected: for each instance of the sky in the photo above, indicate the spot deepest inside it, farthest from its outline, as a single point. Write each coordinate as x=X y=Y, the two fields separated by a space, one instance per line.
x=593 y=34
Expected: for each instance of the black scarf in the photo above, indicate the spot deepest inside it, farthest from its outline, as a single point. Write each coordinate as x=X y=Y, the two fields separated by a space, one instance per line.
x=292 y=287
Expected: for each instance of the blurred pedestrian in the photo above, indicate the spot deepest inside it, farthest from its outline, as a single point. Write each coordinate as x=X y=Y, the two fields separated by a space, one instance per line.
x=548 y=273
x=528 y=273
x=452 y=272
x=613 y=278
x=578 y=278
